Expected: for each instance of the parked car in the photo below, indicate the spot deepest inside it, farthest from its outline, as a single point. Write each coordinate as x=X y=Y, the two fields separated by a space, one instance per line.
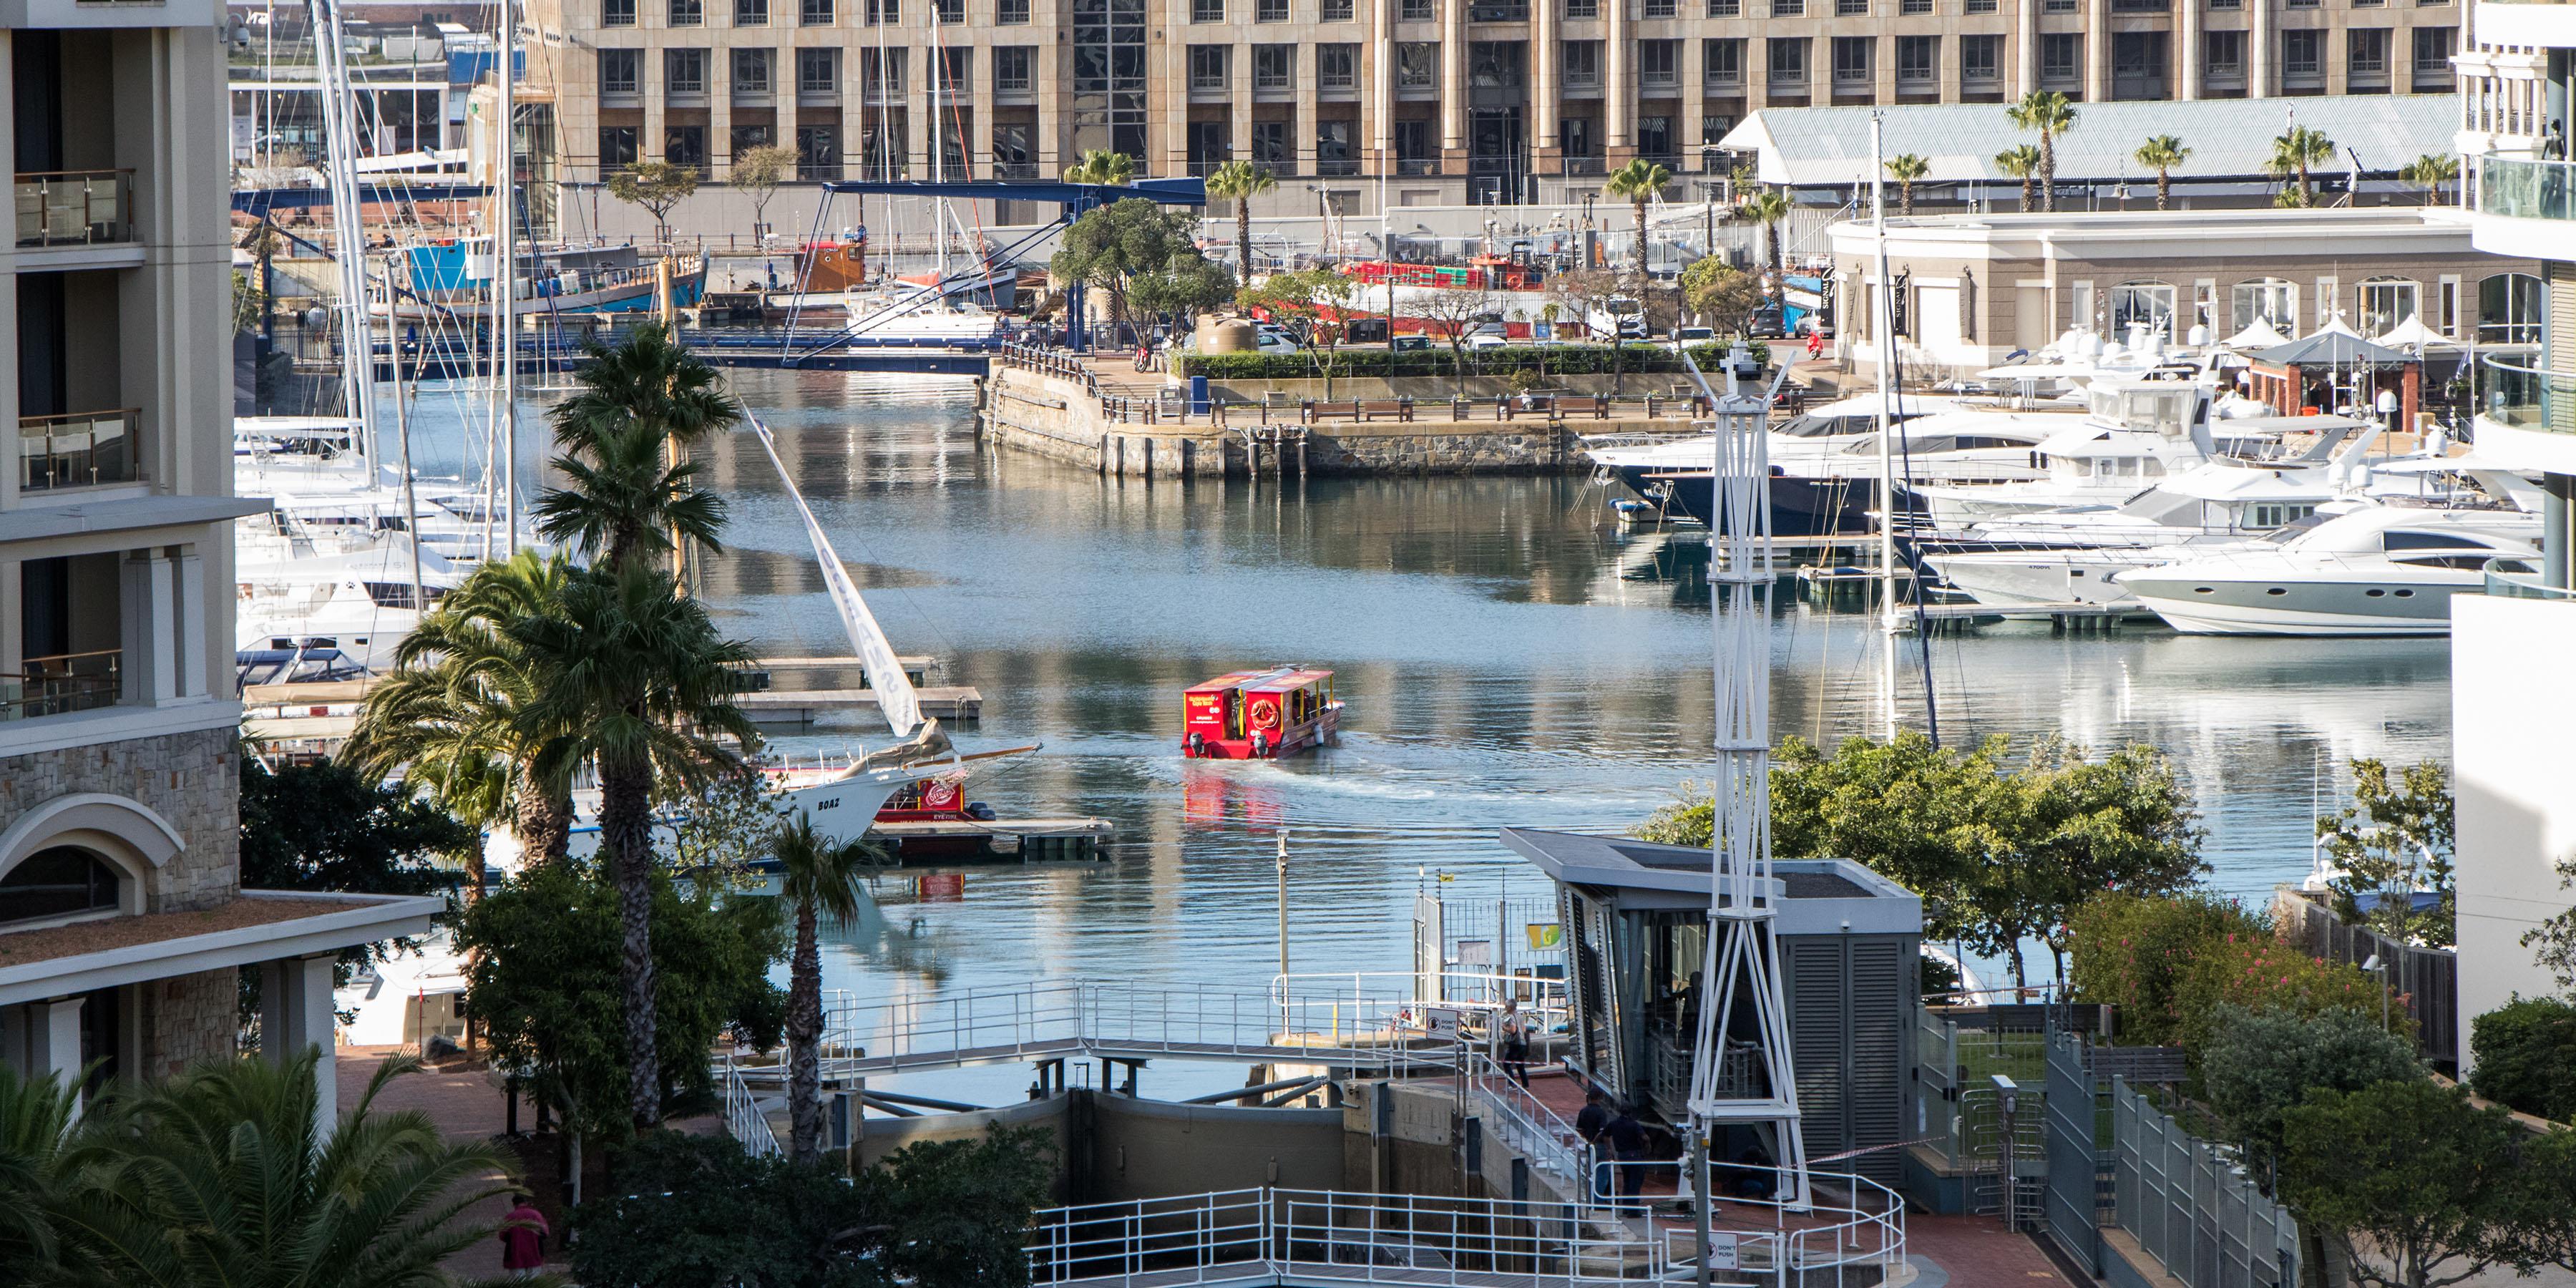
x=1489 y=335
x=1410 y=344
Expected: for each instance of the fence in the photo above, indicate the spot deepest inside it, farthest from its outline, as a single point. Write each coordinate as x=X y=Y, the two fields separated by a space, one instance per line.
x=2071 y=1197
x=1958 y=1052
x=2428 y=977
x=2191 y=1207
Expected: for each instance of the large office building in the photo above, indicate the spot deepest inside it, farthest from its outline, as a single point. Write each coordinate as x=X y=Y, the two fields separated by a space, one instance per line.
x=124 y=929
x=1488 y=100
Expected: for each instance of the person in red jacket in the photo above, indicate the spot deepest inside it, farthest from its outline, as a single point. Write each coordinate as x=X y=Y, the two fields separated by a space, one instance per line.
x=523 y=1237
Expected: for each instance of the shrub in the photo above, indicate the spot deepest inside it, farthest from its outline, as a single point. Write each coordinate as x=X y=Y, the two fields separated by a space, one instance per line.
x=2132 y=952
x=2260 y=1064
x=2262 y=972
x=2526 y=1056
x=2412 y=1184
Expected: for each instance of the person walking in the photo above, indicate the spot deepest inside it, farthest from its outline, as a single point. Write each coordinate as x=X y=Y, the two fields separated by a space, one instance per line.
x=1590 y=1124
x=523 y=1238
x=1515 y=1041
x=1627 y=1138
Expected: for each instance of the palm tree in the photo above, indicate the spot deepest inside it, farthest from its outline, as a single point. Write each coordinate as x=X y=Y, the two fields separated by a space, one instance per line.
x=2021 y=161
x=1240 y=182
x=1100 y=165
x=643 y=694
x=1640 y=181
x=450 y=710
x=819 y=879
x=2429 y=172
x=1905 y=168
x=221 y=1177
x=627 y=497
x=1767 y=208
x=2292 y=153
x=649 y=378
x=2052 y=114
x=2161 y=154
x=36 y=1116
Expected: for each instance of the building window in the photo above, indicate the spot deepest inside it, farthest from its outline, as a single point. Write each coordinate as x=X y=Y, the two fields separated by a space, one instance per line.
x=686 y=13
x=1270 y=147
x=1579 y=137
x=1918 y=59
x=1914 y=8
x=1417 y=11
x=1339 y=11
x=621 y=73
x=1981 y=58
x=2138 y=65
x=952 y=13
x=814 y=13
x=2268 y=300
x=617 y=13
x=751 y=13
x=1011 y=69
x=1725 y=8
x=58 y=882
x=1583 y=64
x=957 y=70
x=1207 y=67
x=2433 y=47
x=1978 y=6
x=2061 y=56
x=2387 y=301
x=1010 y=13
x=1337 y=66
x=2223 y=60
x=881 y=77
x=883 y=13
x=2509 y=309
x=1582 y=10
x=1787 y=60
x=818 y=152
x=1270 y=10
x=1851 y=8
x=1207 y=10
x=686 y=146
x=1659 y=65
x=2301 y=57
x=684 y=73
x=818 y=73
x=1333 y=148
x=1417 y=65
x=1274 y=67
x=1655 y=138
x=2366 y=54
x=1853 y=56
x=1662 y=9
x=1789 y=9
x=748 y=137
x=2149 y=304
x=616 y=147
x=1713 y=128
x=1722 y=62
x=1011 y=154
x=751 y=72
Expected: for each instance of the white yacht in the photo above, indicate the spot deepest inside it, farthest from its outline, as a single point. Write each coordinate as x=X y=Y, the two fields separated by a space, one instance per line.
x=2387 y=570
x=359 y=601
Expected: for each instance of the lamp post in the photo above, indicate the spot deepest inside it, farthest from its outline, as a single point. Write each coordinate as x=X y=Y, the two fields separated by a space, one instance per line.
x=2380 y=968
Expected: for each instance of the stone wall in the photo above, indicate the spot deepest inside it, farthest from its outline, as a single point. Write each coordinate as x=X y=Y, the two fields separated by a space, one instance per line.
x=192 y=780
x=187 y=1020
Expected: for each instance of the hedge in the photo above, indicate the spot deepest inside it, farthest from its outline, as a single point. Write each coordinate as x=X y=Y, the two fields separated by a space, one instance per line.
x=2526 y=1057
x=1564 y=359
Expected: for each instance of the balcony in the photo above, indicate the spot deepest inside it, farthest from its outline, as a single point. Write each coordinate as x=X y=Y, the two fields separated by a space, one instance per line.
x=61 y=684
x=87 y=449
x=2522 y=579
x=76 y=208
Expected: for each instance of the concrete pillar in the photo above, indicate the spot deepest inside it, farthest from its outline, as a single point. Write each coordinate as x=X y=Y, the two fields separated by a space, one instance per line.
x=1453 y=86
x=1692 y=103
x=1307 y=133
x=2025 y=49
x=653 y=78
x=295 y=1013
x=1238 y=82
x=53 y=1039
x=188 y=619
x=980 y=117
x=1051 y=65
x=1618 y=83
x=1377 y=113
x=2186 y=53
x=149 y=586
x=1547 y=84
x=2097 y=50
x=720 y=99
x=2261 y=53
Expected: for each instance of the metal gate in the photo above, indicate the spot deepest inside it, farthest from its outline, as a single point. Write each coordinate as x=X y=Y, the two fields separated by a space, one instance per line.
x=2077 y=1165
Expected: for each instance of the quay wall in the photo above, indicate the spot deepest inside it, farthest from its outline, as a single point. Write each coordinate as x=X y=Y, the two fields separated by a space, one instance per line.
x=1056 y=417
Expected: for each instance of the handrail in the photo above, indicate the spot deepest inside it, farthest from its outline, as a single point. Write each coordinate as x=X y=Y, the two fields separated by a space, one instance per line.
x=743 y=1118
x=2525 y=397
x=75 y=207
x=101 y=452
x=2516 y=578
x=57 y=683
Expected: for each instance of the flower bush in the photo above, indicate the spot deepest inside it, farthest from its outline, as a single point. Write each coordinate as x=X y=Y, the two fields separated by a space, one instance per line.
x=2133 y=952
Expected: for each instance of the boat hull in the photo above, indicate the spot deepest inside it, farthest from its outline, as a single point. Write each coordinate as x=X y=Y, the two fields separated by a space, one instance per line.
x=2029 y=578
x=2352 y=607
x=1800 y=507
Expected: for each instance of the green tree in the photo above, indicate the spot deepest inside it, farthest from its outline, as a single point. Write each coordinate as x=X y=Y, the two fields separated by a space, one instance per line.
x=1103 y=166
x=2553 y=941
x=222 y=1177
x=1768 y=208
x=2544 y=1226
x=2429 y=172
x=1182 y=287
x=648 y=380
x=548 y=960
x=2395 y=839
x=1239 y=182
x=819 y=878
x=757 y=174
x=1114 y=246
x=2050 y=114
x=2261 y=1064
x=2021 y=161
x=2293 y=153
x=2136 y=951
x=1313 y=303
x=2161 y=154
x=2526 y=1056
x=631 y=491
x=36 y=1117
x=643 y=694
x=1905 y=168
x=1638 y=183
x=2408 y=1181
x=1715 y=290
x=656 y=186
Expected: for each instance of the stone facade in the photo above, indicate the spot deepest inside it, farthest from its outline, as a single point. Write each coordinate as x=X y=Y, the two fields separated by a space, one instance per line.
x=192 y=780
x=186 y=1020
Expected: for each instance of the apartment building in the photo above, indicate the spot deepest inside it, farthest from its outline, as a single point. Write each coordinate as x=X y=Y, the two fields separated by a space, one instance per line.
x=1489 y=99
x=2513 y=737
x=123 y=927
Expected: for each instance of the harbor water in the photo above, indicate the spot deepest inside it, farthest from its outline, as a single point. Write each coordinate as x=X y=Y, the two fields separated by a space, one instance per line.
x=1508 y=658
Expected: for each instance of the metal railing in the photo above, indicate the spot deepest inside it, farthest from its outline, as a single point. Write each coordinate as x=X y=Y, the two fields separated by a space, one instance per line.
x=2512 y=578
x=2522 y=397
x=86 y=449
x=744 y=1119
x=62 y=682
x=76 y=208
x=2192 y=1207
x=2518 y=187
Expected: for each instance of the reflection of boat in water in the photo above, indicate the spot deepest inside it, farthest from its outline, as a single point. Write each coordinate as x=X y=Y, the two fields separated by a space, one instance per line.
x=454 y=279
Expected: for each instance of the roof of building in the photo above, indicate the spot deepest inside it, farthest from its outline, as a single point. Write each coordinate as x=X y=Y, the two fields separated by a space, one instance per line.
x=258 y=925
x=2331 y=347
x=2228 y=138
x=1818 y=896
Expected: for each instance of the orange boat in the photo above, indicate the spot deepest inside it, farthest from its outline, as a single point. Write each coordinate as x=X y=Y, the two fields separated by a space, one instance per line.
x=1260 y=715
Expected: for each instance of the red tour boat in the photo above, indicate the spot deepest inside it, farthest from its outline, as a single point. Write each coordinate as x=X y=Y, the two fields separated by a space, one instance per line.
x=1260 y=715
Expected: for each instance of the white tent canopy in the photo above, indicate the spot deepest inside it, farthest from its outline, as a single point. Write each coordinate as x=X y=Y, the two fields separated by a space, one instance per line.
x=2413 y=334
x=2257 y=334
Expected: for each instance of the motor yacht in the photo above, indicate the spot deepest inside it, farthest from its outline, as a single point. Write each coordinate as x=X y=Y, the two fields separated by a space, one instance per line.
x=2386 y=570
x=359 y=602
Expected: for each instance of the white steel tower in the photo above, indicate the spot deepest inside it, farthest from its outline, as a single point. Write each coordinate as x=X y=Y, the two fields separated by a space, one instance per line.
x=1745 y=1081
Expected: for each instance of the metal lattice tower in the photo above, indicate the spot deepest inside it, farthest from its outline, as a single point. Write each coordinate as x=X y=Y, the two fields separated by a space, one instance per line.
x=1758 y=1088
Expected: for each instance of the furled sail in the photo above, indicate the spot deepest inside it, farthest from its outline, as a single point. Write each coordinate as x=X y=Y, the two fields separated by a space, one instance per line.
x=893 y=689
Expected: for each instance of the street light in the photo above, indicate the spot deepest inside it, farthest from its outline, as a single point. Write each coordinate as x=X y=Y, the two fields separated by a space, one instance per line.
x=2380 y=968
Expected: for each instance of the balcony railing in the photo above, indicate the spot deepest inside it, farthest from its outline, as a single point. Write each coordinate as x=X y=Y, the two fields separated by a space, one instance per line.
x=2520 y=397
x=2511 y=578
x=88 y=449
x=2522 y=188
x=76 y=208
x=60 y=683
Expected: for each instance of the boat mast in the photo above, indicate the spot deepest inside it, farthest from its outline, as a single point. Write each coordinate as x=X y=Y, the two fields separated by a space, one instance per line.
x=340 y=176
x=1885 y=307
x=505 y=267
x=402 y=438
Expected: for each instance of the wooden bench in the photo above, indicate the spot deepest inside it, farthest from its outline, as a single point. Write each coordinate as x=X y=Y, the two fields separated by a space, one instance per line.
x=1387 y=408
x=1596 y=406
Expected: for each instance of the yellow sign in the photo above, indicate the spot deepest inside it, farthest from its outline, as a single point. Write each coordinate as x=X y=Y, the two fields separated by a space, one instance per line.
x=1550 y=935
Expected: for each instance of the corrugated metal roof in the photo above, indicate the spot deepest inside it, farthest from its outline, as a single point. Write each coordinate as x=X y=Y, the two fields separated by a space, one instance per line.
x=2228 y=138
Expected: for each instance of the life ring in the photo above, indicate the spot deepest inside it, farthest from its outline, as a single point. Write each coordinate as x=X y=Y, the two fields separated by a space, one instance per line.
x=940 y=795
x=1265 y=715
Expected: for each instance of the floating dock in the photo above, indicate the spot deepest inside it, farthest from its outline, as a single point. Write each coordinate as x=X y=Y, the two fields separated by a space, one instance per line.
x=801 y=706
x=1028 y=840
